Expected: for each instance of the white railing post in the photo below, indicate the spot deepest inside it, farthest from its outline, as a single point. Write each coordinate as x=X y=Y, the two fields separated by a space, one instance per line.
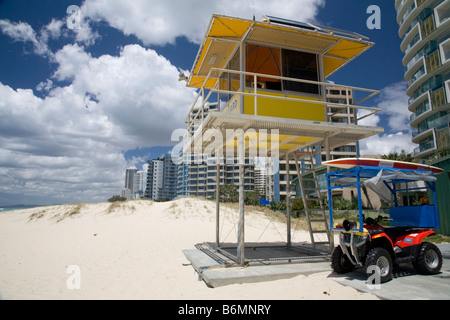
x=255 y=85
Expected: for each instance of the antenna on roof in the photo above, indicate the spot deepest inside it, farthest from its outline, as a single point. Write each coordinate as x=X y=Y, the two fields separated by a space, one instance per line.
x=253 y=9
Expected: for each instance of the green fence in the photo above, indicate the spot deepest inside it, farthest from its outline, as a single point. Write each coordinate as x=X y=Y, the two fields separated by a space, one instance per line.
x=443 y=194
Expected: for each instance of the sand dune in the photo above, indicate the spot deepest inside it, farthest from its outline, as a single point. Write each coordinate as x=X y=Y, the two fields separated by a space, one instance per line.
x=133 y=250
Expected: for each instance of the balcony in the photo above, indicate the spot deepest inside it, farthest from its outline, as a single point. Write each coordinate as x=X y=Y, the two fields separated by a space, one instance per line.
x=419 y=73
x=296 y=105
x=421 y=110
x=425 y=149
x=432 y=84
x=406 y=17
x=418 y=135
x=436 y=124
x=406 y=14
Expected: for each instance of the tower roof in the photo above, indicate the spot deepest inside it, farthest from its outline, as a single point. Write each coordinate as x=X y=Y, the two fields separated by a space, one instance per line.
x=224 y=35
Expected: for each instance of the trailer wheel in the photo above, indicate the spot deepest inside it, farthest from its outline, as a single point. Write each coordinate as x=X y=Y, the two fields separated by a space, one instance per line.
x=340 y=262
x=429 y=259
x=381 y=258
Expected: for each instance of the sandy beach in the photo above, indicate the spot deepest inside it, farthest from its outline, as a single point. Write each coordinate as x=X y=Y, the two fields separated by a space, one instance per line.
x=133 y=250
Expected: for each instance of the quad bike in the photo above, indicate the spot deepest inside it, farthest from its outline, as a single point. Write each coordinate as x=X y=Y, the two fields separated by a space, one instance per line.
x=385 y=247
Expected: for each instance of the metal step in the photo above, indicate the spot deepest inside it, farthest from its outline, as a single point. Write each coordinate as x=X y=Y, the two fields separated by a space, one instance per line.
x=316 y=210
x=311 y=189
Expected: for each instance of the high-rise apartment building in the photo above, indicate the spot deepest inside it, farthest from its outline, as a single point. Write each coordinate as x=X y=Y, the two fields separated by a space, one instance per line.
x=162 y=177
x=197 y=177
x=138 y=185
x=424 y=27
x=134 y=184
x=129 y=178
x=154 y=179
x=170 y=178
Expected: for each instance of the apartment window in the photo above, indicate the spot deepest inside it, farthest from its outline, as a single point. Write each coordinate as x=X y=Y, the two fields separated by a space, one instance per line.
x=443 y=12
x=445 y=50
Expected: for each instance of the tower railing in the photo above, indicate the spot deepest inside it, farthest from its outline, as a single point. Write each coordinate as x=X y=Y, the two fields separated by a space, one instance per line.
x=197 y=113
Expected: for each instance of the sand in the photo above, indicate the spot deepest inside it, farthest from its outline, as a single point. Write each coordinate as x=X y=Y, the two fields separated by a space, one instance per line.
x=133 y=250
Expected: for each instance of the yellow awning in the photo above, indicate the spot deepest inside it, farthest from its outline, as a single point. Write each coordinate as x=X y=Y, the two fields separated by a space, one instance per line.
x=225 y=33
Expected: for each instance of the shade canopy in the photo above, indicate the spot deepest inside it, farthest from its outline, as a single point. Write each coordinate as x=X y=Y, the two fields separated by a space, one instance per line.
x=224 y=35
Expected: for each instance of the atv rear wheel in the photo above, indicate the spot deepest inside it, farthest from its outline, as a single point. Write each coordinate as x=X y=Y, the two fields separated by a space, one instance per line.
x=340 y=262
x=429 y=259
x=381 y=258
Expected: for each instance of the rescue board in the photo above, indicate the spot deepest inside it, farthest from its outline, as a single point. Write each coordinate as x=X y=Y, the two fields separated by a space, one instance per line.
x=347 y=163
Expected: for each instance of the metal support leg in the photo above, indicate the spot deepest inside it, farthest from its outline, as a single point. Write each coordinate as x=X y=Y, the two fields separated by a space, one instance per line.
x=217 y=202
x=241 y=239
x=288 y=201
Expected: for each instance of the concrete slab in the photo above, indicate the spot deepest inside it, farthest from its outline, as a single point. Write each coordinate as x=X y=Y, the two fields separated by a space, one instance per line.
x=251 y=274
x=406 y=284
x=216 y=274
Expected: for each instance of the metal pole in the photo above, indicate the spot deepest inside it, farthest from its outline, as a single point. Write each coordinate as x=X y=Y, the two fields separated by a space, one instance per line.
x=217 y=201
x=329 y=195
x=241 y=239
x=242 y=75
x=288 y=201
x=358 y=183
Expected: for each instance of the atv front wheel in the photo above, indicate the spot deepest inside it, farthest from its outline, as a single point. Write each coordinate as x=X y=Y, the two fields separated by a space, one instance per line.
x=429 y=259
x=382 y=259
x=340 y=262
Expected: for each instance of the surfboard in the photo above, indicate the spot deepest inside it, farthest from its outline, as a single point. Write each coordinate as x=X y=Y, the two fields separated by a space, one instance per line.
x=346 y=163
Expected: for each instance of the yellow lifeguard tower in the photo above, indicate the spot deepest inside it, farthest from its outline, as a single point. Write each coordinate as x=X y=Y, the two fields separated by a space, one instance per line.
x=269 y=81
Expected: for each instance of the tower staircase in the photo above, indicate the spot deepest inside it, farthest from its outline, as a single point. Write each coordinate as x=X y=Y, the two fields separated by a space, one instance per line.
x=317 y=218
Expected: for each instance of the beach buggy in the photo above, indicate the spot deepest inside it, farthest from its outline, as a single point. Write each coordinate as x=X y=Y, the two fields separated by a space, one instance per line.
x=367 y=244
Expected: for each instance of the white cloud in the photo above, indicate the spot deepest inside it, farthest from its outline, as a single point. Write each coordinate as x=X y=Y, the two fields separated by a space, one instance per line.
x=45 y=86
x=394 y=117
x=139 y=90
x=158 y=22
x=23 y=32
x=53 y=30
x=70 y=144
x=394 y=103
x=387 y=143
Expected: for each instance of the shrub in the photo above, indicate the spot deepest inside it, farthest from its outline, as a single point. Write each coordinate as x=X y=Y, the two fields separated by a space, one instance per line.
x=117 y=198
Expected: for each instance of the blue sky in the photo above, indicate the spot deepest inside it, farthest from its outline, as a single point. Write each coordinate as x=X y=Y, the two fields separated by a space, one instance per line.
x=79 y=106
